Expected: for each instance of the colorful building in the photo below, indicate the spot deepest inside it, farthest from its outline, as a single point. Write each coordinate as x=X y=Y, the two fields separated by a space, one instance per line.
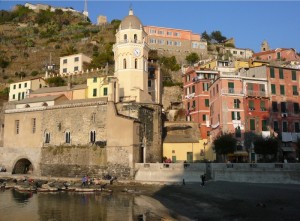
x=21 y=90
x=175 y=40
x=278 y=54
x=73 y=63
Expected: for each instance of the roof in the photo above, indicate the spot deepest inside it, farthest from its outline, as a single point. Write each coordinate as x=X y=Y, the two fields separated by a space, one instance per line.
x=38 y=99
x=270 y=51
x=131 y=21
x=58 y=89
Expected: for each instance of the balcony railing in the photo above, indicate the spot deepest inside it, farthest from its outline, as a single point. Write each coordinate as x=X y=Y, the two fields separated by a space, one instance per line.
x=256 y=93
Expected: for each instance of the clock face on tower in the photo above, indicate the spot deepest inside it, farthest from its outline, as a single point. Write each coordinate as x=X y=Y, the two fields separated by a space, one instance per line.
x=136 y=52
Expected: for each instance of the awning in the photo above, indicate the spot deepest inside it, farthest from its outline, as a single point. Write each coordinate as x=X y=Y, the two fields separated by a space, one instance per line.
x=288 y=149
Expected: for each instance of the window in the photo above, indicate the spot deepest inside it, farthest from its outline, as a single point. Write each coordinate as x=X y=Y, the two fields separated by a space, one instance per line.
x=135 y=63
x=76 y=68
x=152 y=41
x=15 y=86
x=235 y=115
x=296 y=108
x=33 y=122
x=152 y=31
x=14 y=96
x=160 y=32
x=295 y=90
x=94 y=79
x=19 y=96
x=273 y=88
x=241 y=53
x=297 y=128
x=135 y=38
x=68 y=137
x=177 y=43
x=251 y=105
x=205 y=86
x=217 y=88
x=282 y=91
x=149 y=83
x=17 y=126
x=236 y=103
x=65 y=61
x=194 y=104
x=275 y=125
x=284 y=126
x=278 y=55
x=263 y=106
x=283 y=107
x=161 y=42
x=169 y=42
x=264 y=125
x=194 y=44
x=294 y=77
x=206 y=102
x=230 y=87
x=125 y=38
x=105 y=91
x=177 y=34
x=188 y=78
x=238 y=131
x=274 y=106
x=193 y=89
x=204 y=117
x=124 y=63
x=272 y=72
x=25 y=85
x=20 y=85
x=47 y=137
x=65 y=70
x=76 y=59
x=280 y=73
x=234 y=52
x=252 y=124
x=23 y=95
x=169 y=33
x=93 y=136
x=94 y=92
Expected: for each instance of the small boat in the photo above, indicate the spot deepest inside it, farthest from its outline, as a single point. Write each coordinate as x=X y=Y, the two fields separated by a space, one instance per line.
x=50 y=189
x=84 y=190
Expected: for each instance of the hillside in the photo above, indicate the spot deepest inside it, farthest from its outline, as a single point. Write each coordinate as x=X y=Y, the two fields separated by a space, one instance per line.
x=29 y=39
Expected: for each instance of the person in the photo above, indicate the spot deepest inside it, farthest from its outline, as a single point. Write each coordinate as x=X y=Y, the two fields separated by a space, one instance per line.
x=84 y=179
x=202 y=180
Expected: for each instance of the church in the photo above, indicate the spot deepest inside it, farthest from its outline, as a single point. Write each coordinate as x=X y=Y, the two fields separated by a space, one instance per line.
x=58 y=137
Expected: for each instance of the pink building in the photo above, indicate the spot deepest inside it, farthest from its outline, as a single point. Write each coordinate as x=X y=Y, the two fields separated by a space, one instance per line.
x=278 y=54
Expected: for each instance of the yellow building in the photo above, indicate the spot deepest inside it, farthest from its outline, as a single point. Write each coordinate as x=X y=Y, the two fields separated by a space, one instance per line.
x=97 y=87
x=21 y=90
x=73 y=63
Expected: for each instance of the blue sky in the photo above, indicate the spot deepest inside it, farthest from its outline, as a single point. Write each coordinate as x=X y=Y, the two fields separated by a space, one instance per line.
x=249 y=22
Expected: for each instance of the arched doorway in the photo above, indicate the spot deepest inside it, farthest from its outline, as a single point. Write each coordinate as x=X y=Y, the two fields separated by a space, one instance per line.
x=23 y=166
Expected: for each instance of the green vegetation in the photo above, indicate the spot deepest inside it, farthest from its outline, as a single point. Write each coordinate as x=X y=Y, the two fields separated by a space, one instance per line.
x=56 y=81
x=214 y=37
x=170 y=63
x=225 y=144
x=266 y=146
x=192 y=58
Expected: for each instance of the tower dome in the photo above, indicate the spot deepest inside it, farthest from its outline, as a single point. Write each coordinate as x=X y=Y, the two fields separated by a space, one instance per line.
x=131 y=21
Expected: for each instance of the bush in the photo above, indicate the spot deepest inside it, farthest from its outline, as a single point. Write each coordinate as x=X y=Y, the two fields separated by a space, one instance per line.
x=34 y=73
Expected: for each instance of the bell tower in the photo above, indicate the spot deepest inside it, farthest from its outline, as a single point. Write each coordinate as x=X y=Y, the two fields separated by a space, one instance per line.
x=131 y=60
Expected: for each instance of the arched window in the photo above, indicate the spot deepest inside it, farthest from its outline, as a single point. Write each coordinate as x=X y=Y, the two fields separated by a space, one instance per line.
x=135 y=38
x=93 y=136
x=68 y=137
x=135 y=63
x=125 y=38
x=124 y=63
x=27 y=105
x=44 y=104
x=47 y=137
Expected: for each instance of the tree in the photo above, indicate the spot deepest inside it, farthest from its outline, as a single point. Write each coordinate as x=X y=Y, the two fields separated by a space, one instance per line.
x=217 y=36
x=225 y=144
x=192 y=58
x=266 y=146
x=56 y=81
x=249 y=138
x=170 y=63
x=206 y=36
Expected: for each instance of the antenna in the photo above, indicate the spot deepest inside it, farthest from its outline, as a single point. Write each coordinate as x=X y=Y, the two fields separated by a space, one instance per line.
x=85 y=11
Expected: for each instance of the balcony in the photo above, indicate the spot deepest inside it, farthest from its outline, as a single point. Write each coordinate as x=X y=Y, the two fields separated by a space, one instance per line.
x=251 y=93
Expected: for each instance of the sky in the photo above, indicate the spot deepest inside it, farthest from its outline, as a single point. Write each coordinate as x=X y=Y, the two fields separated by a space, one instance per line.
x=248 y=22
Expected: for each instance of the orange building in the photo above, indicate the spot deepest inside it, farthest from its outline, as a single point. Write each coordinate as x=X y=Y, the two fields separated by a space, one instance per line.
x=175 y=40
x=278 y=54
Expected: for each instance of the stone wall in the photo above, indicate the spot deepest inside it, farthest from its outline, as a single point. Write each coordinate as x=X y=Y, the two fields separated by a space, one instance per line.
x=76 y=161
x=171 y=94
